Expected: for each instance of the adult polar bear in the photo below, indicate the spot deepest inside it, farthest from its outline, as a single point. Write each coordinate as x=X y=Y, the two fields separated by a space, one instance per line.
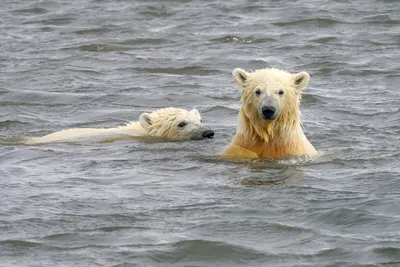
x=168 y=123
x=269 y=123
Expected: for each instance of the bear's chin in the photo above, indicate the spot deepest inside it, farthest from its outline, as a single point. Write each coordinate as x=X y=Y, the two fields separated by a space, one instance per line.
x=198 y=138
x=269 y=119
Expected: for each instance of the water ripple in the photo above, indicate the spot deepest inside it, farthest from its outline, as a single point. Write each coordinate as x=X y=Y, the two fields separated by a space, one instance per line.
x=321 y=22
x=192 y=70
x=102 y=48
x=197 y=250
x=245 y=40
x=33 y=10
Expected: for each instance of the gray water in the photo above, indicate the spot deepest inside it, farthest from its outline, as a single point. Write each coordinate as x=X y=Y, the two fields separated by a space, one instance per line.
x=101 y=63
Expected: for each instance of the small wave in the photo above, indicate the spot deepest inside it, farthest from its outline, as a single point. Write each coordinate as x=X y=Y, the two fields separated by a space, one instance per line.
x=10 y=123
x=309 y=98
x=289 y=228
x=110 y=229
x=53 y=22
x=364 y=112
x=280 y=179
x=325 y=40
x=383 y=42
x=34 y=10
x=346 y=217
x=178 y=168
x=12 y=140
x=332 y=252
x=145 y=41
x=13 y=103
x=362 y=72
x=266 y=172
x=254 y=7
x=61 y=236
x=389 y=252
x=97 y=30
x=102 y=48
x=380 y=19
x=20 y=243
x=220 y=108
x=47 y=29
x=157 y=14
x=193 y=70
x=318 y=21
x=244 y=40
x=326 y=71
x=3 y=91
x=193 y=250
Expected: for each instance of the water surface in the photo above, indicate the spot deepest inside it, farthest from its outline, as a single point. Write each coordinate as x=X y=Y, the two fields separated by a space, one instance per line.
x=101 y=63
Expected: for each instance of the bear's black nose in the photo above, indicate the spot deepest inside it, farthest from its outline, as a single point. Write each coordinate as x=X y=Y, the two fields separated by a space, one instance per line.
x=268 y=112
x=208 y=134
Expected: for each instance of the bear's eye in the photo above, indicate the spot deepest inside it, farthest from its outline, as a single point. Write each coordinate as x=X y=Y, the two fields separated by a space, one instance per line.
x=182 y=124
x=201 y=120
x=281 y=92
x=258 y=92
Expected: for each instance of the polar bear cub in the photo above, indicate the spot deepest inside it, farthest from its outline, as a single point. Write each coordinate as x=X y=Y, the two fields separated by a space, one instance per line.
x=168 y=123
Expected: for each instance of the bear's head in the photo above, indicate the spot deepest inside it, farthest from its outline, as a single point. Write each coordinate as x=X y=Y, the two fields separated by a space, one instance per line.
x=270 y=98
x=175 y=124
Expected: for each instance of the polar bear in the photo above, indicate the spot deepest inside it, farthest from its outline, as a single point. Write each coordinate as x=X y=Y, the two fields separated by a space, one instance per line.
x=168 y=123
x=269 y=123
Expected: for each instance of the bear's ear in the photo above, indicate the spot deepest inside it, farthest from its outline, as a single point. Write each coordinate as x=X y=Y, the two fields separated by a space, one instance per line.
x=195 y=112
x=240 y=76
x=145 y=120
x=301 y=80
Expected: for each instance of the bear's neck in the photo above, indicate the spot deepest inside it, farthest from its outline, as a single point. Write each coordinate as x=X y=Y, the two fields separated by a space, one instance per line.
x=133 y=128
x=273 y=139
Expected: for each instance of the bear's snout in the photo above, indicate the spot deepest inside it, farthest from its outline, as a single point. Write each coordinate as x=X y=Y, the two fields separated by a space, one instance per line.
x=269 y=112
x=208 y=134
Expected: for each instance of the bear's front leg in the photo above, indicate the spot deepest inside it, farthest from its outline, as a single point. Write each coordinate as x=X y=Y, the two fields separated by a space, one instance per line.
x=235 y=150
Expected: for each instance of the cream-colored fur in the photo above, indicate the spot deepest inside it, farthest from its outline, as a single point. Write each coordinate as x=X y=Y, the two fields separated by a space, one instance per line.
x=257 y=137
x=163 y=123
